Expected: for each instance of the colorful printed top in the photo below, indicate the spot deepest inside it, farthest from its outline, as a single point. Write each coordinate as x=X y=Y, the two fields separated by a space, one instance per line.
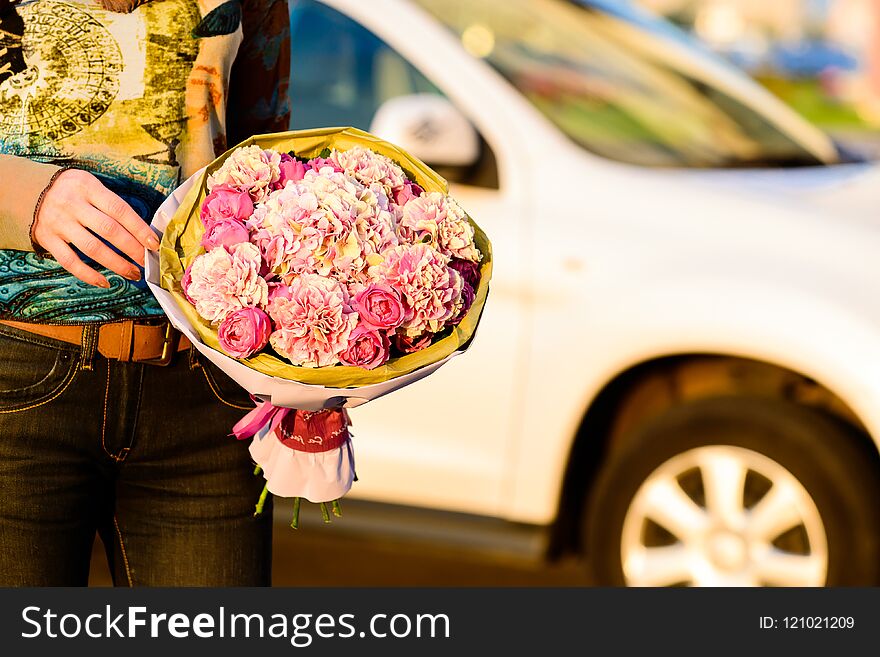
x=138 y=99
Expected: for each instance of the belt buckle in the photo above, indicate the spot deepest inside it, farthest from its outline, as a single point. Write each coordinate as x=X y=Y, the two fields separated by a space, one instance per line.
x=169 y=348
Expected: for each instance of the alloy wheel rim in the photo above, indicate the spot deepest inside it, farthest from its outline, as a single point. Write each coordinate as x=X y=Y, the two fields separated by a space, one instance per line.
x=723 y=532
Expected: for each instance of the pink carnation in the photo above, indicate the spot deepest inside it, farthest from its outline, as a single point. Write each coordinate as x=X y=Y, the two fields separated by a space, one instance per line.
x=430 y=288
x=223 y=281
x=250 y=169
x=244 y=332
x=367 y=348
x=439 y=221
x=225 y=202
x=314 y=321
x=368 y=167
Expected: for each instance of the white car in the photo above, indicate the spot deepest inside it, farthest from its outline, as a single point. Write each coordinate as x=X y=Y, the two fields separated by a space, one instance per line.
x=678 y=369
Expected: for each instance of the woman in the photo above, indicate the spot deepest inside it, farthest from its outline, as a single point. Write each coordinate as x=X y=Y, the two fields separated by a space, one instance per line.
x=109 y=422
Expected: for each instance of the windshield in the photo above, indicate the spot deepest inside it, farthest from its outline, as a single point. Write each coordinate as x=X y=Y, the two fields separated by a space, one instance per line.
x=614 y=87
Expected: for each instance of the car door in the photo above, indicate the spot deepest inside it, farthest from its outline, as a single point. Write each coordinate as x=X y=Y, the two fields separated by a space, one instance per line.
x=446 y=441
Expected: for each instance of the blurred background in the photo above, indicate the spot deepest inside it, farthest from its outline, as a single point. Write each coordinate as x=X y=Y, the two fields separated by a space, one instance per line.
x=671 y=384
x=822 y=57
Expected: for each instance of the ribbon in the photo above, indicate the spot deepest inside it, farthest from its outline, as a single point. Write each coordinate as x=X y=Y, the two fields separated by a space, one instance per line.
x=263 y=414
x=302 y=431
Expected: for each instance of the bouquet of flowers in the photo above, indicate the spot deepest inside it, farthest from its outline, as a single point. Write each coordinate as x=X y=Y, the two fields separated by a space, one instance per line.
x=320 y=269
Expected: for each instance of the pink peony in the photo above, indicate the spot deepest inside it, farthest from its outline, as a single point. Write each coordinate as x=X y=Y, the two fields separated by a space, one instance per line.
x=408 y=344
x=244 y=332
x=431 y=290
x=367 y=348
x=225 y=202
x=380 y=307
x=223 y=281
x=290 y=169
x=249 y=169
x=314 y=321
x=224 y=232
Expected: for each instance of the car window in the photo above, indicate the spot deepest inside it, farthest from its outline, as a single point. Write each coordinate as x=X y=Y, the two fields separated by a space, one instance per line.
x=342 y=74
x=617 y=88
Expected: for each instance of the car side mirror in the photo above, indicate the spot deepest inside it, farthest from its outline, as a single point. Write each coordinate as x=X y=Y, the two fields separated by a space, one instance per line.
x=429 y=127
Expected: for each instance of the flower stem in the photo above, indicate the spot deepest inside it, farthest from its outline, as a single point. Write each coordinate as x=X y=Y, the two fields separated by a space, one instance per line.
x=337 y=509
x=258 y=470
x=324 y=513
x=294 y=523
x=262 y=501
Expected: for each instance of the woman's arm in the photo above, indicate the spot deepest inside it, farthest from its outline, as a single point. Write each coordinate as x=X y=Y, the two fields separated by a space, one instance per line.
x=76 y=210
x=21 y=181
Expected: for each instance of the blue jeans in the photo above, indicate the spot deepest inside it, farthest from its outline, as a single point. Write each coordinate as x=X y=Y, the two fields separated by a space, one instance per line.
x=139 y=454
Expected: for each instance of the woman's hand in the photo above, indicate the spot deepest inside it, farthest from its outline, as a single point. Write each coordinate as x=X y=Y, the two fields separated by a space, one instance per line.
x=76 y=209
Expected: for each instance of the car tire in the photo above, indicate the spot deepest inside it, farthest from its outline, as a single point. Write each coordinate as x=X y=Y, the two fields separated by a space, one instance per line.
x=687 y=461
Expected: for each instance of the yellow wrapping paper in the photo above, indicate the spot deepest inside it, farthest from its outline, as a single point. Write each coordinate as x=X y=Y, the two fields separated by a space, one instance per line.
x=181 y=243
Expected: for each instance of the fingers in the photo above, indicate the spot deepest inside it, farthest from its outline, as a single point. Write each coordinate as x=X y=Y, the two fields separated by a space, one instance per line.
x=67 y=258
x=79 y=211
x=116 y=208
x=112 y=231
x=94 y=248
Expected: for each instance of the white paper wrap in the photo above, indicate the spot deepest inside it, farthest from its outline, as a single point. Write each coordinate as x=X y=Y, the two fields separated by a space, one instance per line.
x=316 y=476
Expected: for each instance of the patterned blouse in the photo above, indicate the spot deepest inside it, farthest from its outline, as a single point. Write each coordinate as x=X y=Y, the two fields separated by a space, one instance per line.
x=138 y=99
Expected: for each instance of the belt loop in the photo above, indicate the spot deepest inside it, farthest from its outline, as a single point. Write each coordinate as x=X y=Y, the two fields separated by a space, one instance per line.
x=89 y=344
x=126 y=340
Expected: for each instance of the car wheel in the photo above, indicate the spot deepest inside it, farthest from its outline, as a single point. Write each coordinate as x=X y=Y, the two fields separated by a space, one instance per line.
x=737 y=492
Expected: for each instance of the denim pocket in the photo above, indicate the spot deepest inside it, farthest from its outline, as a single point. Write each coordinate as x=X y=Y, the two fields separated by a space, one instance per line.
x=224 y=388
x=33 y=370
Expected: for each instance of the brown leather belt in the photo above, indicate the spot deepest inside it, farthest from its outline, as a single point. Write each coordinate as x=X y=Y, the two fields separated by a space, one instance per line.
x=152 y=344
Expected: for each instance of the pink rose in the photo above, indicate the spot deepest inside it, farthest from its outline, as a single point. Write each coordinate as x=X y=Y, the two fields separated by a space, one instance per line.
x=226 y=202
x=318 y=163
x=224 y=232
x=291 y=169
x=185 y=282
x=380 y=306
x=244 y=332
x=367 y=348
x=470 y=271
x=467 y=300
x=406 y=194
x=407 y=344
x=278 y=290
